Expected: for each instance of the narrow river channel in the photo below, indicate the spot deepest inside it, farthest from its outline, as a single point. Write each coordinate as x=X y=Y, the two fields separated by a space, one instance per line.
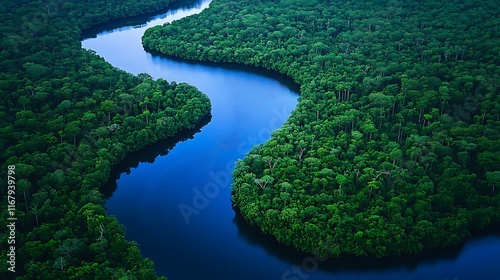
x=213 y=242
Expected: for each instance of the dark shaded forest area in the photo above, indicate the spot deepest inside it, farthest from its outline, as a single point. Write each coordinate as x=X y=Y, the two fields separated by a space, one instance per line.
x=66 y=118
x=394 y=146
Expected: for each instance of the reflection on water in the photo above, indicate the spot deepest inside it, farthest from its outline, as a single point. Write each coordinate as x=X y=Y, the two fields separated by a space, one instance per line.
x=148 y=155
x=233 y=67
x=146 y=189
x=357 y=264
x=142 y=21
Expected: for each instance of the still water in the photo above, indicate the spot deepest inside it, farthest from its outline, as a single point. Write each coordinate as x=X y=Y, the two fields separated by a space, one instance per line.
x=174 y=198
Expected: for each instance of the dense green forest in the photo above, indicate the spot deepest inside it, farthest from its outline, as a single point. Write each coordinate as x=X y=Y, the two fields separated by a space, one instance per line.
x=395 y=143
x=66 y=118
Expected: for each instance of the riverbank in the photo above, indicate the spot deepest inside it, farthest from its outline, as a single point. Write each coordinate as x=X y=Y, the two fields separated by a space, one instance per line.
x=376 y=131
x=225 y=248
x=71 y=117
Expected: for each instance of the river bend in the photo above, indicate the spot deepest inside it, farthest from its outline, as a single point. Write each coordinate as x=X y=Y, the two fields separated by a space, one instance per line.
x=210 y=241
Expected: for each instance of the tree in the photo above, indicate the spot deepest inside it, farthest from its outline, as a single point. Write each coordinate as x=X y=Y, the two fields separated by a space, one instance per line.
x=108 y=106
x=73 y=130
x=25 y=186
x=368 y=128
x=264 y=181
x=493 y=179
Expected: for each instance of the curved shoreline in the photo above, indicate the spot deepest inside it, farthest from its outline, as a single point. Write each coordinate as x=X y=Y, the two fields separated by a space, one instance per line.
x=149 y=154
x=85 y=116
x=236 y=66
x=202 y=51
x=271 y=70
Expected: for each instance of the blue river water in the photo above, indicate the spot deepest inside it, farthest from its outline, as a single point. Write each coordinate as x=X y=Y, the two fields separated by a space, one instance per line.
x=174 y=198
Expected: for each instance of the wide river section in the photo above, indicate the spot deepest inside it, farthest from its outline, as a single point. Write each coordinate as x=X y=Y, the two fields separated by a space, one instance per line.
x=174 y=198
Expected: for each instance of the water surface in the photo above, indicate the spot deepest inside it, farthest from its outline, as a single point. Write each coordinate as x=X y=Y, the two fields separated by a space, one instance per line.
x=210 y=241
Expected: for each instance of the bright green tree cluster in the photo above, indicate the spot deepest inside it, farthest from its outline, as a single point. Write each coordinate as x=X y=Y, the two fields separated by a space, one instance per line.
x=66 y=118
x=394 y=145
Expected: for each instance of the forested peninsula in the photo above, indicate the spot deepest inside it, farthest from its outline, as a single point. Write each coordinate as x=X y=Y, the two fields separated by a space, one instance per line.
x=66 y=118
x=394 y=146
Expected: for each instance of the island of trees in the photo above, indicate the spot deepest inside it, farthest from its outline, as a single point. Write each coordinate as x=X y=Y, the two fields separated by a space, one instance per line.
x=394 y=146
x=66 y=118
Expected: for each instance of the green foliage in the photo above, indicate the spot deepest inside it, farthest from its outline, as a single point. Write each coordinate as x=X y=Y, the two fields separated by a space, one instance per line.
x=393 y=147
x=67 y=117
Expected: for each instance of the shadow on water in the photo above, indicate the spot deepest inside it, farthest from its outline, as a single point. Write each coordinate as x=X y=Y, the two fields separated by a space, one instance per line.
x=138 y=21
x=249 y=234
x=284 y=80
x=255 y=237
x=148 y=155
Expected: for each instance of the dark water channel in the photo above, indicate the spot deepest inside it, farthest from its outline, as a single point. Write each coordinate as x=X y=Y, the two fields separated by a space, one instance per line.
x=210 y=241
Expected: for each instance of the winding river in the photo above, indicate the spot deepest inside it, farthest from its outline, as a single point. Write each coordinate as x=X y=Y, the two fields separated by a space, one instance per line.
x=208 y=240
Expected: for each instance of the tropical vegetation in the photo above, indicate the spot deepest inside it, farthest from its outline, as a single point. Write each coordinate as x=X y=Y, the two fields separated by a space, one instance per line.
x=66 y=118
x=394 y=146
